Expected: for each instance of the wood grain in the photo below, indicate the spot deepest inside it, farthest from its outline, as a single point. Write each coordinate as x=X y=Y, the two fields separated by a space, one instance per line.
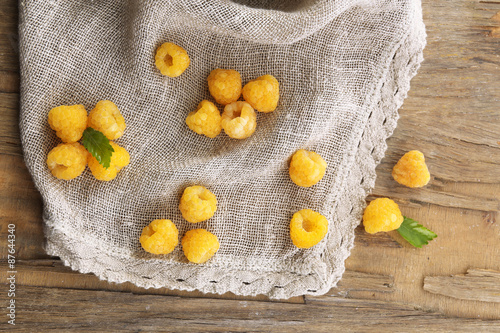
x=354 y=282
x=9 y=82
x=477 y=285
x=451 y=115
x=20 y=204
x=89 y=310
x=9 y=60
x=466 y=238
x=10 y=142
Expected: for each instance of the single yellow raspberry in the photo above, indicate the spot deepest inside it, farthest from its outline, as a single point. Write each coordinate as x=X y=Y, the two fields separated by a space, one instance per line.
x=205 y=120
x=307 y=228
x=224 y=85
x=199 y=245
x=159 y=237
x=197 y=204
x=411 y=170
x=382 y=214
x=69 y=122
x=306 y=168
x=67 y=160
x=239 y=120
x=120 y=158
x=172 y=60
x=106 y=117
x=262 y=93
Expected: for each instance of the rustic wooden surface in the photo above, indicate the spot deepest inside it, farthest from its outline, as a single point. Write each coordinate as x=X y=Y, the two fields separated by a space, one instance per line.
x=477 y=284
x=452 y=115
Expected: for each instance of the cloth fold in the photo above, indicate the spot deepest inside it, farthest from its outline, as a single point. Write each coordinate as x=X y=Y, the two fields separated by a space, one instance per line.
x=344 y=68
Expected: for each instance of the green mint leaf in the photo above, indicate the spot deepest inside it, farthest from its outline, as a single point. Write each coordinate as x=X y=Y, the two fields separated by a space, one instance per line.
x=416 y=234
x=98 y=145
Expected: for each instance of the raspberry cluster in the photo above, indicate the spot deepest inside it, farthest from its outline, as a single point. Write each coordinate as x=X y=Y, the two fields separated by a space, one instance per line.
x=239 y=119
x=69 y=159
x=197 y=204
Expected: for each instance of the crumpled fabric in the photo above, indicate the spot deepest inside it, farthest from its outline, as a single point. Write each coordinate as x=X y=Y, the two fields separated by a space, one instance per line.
x=344 y=69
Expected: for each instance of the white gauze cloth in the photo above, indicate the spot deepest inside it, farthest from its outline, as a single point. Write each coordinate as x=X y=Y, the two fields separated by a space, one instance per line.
x=343 y=66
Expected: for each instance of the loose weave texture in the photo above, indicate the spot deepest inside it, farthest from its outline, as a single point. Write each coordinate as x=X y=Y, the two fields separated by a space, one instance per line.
x=344 y=69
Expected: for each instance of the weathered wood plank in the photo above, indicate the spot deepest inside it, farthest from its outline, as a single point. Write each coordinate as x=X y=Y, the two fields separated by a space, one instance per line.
x=353 y=281
x=8 y=36
x=9 y=82
x=20 y=204
x=477 y=285
x=466 y=238
x=432 y=194
x=10 y=141
x=54 y=308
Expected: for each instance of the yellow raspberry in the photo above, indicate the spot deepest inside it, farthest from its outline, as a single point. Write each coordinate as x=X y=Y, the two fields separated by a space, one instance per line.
x=262 y=93
x=307 y=228
x=197 y=204
x=172 y=60
x=159 y=237
x=119 y=159
x=239 y=120
x=224 y=85
x=199 y=245
x=106 y=117
x=382 y=214
x=205 y=120
x=307 y=168
x=67 y=160
x=411 y=170
x=69 y=122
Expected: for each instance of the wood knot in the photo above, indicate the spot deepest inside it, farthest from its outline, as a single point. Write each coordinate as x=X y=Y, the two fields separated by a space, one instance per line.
x=489 y=218
x=495 y=31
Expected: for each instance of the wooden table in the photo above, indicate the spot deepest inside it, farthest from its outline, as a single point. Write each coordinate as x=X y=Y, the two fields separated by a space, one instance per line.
x=452 y=114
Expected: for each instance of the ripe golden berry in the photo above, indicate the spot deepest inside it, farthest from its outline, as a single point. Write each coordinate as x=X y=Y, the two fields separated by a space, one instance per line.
x=411 y=170
x=197 y=204
x=199 y=245
x=262 y=93
x=205 y=119
x=307 y=168
x=224 y=85
x=106 y=117
x=159 y=237
x=382 y=214
x=67 y=160
x=120 y=158
x=172 y=60
x=239 y=120
x=69 y=122
x=307 y=228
